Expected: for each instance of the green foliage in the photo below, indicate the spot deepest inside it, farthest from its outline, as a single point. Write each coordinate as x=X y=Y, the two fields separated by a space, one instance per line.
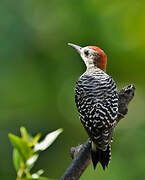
x=16 y=159
x=40 y=178
x=22 y=146
x=27 y=150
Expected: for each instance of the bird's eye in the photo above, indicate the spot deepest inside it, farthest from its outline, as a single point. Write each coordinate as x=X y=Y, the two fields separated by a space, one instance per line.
x=86 y=53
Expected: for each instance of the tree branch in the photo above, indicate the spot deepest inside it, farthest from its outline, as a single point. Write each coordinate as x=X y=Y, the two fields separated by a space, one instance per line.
x=81 y=154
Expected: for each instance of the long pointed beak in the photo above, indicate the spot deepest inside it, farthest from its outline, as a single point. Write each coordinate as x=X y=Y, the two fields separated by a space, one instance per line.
x=76 y=47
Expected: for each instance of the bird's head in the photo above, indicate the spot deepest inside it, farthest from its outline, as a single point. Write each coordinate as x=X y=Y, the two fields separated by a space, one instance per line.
x=93 y=56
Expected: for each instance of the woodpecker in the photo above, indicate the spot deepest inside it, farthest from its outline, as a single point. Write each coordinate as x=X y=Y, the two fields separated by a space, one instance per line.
x=96 y=99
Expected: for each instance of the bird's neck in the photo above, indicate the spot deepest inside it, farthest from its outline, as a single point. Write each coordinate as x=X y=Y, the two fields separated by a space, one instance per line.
x=92 y=67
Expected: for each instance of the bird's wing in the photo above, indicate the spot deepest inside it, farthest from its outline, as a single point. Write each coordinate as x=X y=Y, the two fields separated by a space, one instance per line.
x=97 y=103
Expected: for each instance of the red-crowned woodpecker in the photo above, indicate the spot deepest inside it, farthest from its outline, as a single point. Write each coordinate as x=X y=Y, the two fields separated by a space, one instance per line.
x=96 y=99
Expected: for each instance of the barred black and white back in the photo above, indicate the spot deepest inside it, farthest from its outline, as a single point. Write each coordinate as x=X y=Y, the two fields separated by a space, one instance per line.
x=96 y=98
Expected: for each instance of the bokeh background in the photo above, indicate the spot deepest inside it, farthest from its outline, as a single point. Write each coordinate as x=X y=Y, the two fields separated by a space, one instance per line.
x=38 y=73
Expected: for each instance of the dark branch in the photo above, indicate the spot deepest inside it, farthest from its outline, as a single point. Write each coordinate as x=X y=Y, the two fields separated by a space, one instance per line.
x=81 y=153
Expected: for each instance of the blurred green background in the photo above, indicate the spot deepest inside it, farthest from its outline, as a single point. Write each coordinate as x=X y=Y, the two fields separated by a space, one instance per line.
x=38 y=72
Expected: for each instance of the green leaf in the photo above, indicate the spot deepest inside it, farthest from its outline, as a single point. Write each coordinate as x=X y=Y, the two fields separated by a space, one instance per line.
x=24 y=133
x=40 y=178
x=38 y=174
x=35 y=140
x=48 y=140
x=22 y=147
x=16 y=159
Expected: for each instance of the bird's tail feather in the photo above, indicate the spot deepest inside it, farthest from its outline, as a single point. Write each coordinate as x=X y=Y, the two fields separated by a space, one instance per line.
x=103 y=157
